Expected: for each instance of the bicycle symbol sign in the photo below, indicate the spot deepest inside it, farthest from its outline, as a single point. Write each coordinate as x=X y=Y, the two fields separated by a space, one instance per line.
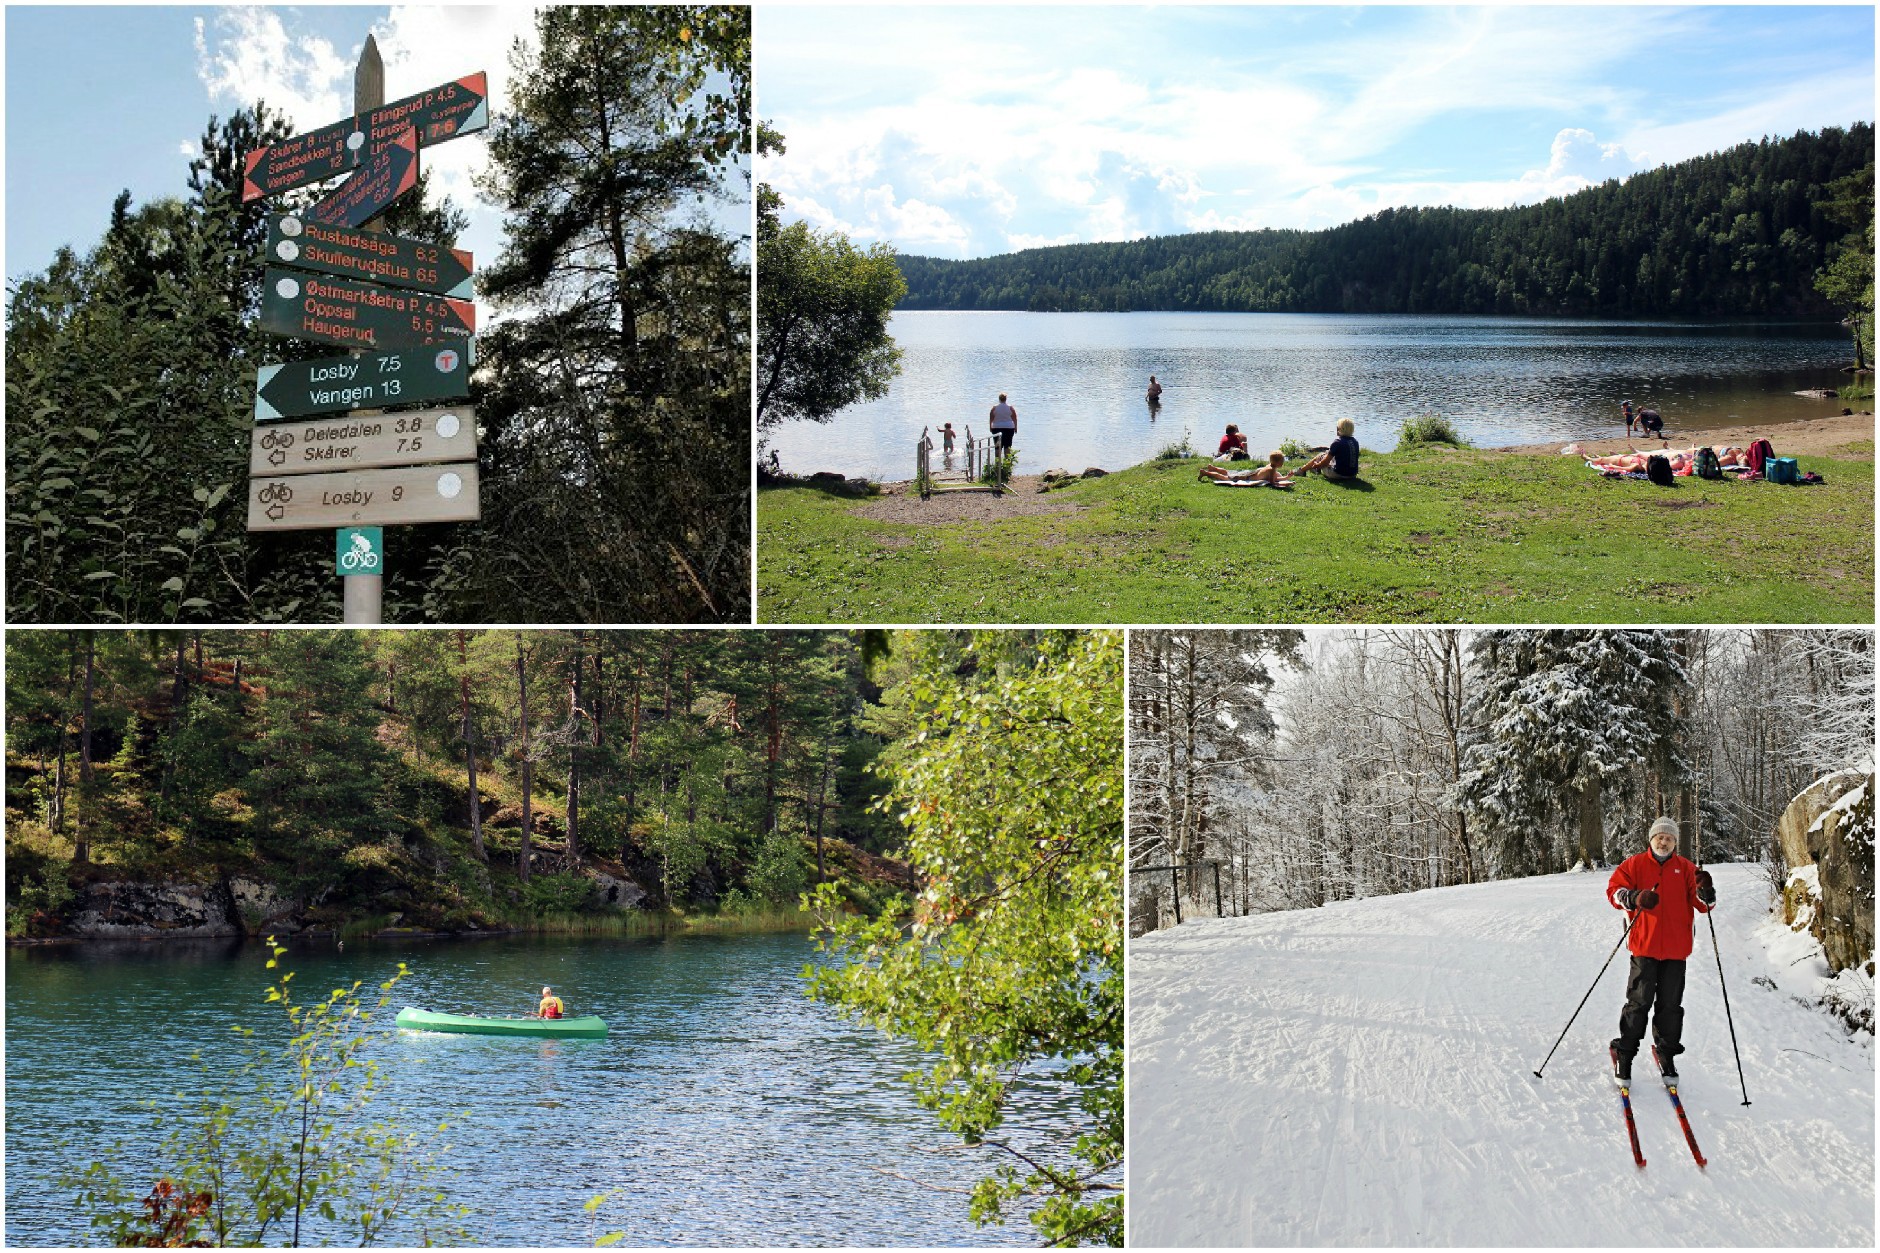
x=361 y=550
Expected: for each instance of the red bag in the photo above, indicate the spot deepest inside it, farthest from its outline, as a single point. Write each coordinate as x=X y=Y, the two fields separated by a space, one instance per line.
x=1761 y=452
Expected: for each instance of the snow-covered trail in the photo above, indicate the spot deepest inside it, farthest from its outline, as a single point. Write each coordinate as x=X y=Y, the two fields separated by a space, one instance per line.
x=1362 y=1074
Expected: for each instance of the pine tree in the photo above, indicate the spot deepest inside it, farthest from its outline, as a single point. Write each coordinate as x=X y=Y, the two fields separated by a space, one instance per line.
x=1558 y=719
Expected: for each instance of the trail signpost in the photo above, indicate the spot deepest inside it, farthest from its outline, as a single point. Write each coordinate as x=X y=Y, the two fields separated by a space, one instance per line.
x=360 y=315
x=391 y=260
x=444 y=112
x=386 y=175
x=405 y=496
x=363 y=441
x=299 y=389
x=329 y=280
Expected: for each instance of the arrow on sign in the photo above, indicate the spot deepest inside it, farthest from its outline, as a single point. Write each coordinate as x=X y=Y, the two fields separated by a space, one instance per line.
x=375 y=257
x=298 y=389
x=373 y=187
x=362 y=441
x=414 y=494
x=442 y=113
x=360 y=315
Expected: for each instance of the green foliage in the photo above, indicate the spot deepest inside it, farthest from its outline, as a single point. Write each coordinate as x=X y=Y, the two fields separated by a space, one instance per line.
x=622 y=371
x=1012 y=968
x=556 y=893
x=1730 y=234
x=1847 y=282
x=1445 y=536
x=822 y=324
x=282 y=1148
x=1295 y=449
x=1178 y=450
x=1429 y=428
x=999 y=468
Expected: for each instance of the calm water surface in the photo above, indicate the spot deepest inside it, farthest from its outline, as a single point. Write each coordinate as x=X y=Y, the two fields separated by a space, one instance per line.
x=1077 y=380
x=723 y=1108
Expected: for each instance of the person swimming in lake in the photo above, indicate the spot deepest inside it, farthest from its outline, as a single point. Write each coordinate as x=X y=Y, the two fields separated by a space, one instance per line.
x=1271 y=473
x=1154 y=394
x=946 y=439
x=1233 y=445
x=1340 y=461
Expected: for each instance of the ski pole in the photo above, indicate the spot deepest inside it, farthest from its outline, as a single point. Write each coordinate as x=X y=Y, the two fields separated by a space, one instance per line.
x=1717 y=952
x=1588 y=996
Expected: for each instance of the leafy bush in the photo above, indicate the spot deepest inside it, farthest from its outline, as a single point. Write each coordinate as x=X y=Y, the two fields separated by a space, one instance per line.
x=1430 y=428
x=1295 y=450
x=1180 y=450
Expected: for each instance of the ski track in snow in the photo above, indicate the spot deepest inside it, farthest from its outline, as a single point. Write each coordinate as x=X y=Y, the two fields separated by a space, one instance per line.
x=1362 y=1074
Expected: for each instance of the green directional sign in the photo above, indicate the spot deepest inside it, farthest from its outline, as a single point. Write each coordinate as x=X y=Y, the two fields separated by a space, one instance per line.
x=388 y=174
x=360 y=315
x=299 y=389
x=444 y=112
x=390 y=260
x=360 y=550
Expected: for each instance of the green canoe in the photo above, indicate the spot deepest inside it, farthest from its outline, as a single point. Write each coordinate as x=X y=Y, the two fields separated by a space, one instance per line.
x=588 y=1028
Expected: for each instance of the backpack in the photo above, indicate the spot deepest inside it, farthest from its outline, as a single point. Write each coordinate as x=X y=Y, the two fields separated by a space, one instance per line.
x=1760 y=451
x=1658 y=469
x=1705 y=465
x=1782 y=470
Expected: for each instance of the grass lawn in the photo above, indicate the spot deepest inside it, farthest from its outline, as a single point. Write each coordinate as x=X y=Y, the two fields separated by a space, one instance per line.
x=1435 y=535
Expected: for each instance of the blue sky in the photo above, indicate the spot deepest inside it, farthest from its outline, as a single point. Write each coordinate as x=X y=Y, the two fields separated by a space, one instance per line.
x=101 y=99
x=972 y=131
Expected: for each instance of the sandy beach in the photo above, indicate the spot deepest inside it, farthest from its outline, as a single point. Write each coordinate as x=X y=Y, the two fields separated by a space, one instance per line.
x=1808 y=436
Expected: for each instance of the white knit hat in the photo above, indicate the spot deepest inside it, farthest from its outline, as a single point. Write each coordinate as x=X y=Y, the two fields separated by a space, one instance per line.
x=1664 y=826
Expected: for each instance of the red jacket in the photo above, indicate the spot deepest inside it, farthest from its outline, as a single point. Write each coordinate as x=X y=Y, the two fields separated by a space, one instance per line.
x=1663 y=931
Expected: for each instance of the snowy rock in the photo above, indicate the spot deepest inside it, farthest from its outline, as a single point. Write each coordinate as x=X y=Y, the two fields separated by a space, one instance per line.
x=142 y=910
x=1826 y=838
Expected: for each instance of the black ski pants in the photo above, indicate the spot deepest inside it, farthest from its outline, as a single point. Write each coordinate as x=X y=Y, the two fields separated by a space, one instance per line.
x=1653 y=982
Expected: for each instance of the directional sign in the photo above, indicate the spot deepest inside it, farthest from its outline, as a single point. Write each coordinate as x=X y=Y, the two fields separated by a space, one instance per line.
x=363 y=441
x=359 y=550
x=364 y=498
x=331 y=384
x=386 y=175
x=391 y=260
x=360 y=315
x=438 y=114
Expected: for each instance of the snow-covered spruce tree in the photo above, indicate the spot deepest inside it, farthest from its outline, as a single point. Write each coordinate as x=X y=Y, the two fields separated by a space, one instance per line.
x=1198 y=722
x=1560 y=719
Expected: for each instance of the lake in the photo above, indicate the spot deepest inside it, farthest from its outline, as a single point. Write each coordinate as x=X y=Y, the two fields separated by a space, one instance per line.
x=1077 y=380
x=723 y=1108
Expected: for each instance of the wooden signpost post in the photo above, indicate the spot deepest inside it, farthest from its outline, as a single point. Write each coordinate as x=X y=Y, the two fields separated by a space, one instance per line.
x=329 y=280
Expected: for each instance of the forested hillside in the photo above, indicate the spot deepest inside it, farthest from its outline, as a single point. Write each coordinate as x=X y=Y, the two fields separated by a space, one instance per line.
x=1735 y=233
x=323 y=778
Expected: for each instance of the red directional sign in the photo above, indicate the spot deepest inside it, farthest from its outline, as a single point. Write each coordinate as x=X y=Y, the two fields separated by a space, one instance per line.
x=360 y=315
x=456 y=108
x=387 y=175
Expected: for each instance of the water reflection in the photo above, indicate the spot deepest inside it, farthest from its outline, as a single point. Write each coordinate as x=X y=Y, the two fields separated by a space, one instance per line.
x=1077 y=380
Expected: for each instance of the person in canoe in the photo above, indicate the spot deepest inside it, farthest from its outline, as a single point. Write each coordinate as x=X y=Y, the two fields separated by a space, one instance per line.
x=550 y=1007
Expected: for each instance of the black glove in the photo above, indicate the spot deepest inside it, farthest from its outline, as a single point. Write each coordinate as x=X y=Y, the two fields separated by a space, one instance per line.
x=1624 y=897
x=1706 y=889
x=1646 y=899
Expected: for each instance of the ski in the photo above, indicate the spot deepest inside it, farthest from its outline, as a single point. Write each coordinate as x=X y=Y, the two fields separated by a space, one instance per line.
x=1631 y=1127
x=1671 y=1090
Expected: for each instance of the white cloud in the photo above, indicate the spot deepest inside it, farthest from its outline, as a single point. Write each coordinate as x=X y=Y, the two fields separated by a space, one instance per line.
x=252 y=56
x=188 y=149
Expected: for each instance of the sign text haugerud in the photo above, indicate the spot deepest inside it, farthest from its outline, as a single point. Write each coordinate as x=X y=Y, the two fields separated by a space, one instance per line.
x=360 y=315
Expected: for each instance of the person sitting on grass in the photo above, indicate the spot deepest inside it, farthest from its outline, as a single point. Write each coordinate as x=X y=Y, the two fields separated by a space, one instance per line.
x=1270 y=473
x=1233 y=445
x=1340 y=461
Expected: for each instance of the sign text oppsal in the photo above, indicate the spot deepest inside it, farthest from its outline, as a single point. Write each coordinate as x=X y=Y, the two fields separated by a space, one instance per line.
x=360 y=315
x=385 y=176
x=456 y=108
x=441 y=493
x=299 y=389
x=392 y=260
x=363 y=441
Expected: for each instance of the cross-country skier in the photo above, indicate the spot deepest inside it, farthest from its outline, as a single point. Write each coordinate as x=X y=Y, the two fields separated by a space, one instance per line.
x=1664 y=893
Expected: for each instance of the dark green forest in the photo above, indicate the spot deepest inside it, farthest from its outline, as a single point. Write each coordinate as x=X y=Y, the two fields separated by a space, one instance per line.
x=1738 y=233
x=621 y=777
x=612 y=395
